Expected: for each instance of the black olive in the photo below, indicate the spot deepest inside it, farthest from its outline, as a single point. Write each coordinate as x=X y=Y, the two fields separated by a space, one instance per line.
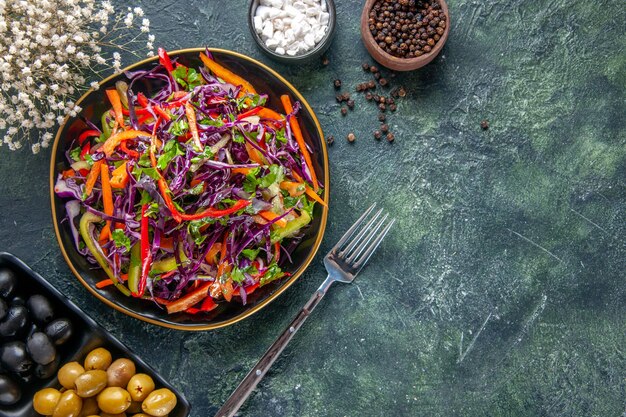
x=18 y=301
x=9 y=391
x=8 y=281
x=40 y=308
x=49 y=370
x=15 y=358
x=59 y=331
x=41 y=348
x=4 y=308
x=15 y=322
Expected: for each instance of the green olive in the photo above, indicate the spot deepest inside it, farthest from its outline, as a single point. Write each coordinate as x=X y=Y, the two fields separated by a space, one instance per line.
x=46 y=400
x=90 y=407
x=139 y=386
x=68 y=374
x=114 y=400
x=99 y=358
x=69 y=405
x=159 y=403
x=135 y=407
x=91 y=383
x=120 y=372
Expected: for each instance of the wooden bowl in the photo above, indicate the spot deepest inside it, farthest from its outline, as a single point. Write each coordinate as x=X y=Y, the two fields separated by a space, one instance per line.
x=393 y=62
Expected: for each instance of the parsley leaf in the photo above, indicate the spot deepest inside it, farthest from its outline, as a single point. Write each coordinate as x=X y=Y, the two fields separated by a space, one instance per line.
x=144 y=160
x=179 y=127
x=206 y=154
x=275 y=175
x=237 y=275
x=273 y=273
x=238 y=136
x=187 y=77
x=170 y=151
x=251 y=181
x=280 y=136
x=251 y=253
x=75 y=154
x=120 y=239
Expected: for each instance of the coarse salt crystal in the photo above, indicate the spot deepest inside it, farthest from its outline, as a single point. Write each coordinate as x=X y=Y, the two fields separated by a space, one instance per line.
x=291 y=27
x=258 y=24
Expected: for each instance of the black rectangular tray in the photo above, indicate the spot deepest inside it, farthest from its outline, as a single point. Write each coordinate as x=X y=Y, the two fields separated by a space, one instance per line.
x=87 y=335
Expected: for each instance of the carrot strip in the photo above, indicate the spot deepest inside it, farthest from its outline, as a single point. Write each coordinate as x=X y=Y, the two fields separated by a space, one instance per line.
x=244 y=171
x=106 y=282
x=227 y=75
x=295 y=189
x=116 y=102
x=268 y=215
x=266 y=113
x=92 y=177
x=68 y=173
x=193 y=125
x=107 y=196
x=295 y=128
x=308 y=190
x=255 y=156
x=189 y=299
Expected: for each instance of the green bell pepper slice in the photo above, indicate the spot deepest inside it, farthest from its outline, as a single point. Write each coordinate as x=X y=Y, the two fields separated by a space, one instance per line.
x=86 y=221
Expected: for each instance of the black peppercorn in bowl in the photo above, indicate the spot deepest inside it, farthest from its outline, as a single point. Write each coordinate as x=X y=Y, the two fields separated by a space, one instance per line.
x=419 y=32
x=299 y=58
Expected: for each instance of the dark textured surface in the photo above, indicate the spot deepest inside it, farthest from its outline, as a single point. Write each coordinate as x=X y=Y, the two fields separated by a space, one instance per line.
x=501 y=290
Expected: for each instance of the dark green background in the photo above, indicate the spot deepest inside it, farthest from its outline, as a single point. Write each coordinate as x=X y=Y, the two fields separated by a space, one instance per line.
x=501 y=289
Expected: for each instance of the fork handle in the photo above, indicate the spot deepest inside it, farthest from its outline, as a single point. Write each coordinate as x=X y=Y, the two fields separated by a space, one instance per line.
x=245 y=388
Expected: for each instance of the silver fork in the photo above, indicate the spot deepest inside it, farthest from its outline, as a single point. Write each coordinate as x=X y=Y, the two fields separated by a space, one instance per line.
x=343 y=263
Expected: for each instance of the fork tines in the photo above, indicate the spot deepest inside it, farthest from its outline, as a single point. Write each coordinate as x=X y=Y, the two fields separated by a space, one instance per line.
x=360 y=241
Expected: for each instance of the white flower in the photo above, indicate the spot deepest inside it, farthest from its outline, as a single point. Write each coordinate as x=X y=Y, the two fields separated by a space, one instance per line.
x=48 y=51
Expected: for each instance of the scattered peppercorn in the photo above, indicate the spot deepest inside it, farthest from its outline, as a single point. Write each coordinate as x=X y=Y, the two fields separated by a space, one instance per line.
x=373 y=69
x=344 y=110
x=365 y=66
x=382 y=99
x=325 y=60
x=401 y=92
x=346 y=96
x=337 y=84
x=351 y=104
x=376 y=98
x=382 y=117
x=369 y=96
x=390 y=100
x=384 y=127
x=360 y=87
x=400 y=27
x=382 y=81
x=377 y=75
x=393 y=107
x=484 y=125
x=371 y=84
x=330 y=139
x=382 y=107
x=377 y=134
x=351 y=138
x=390 y=137
x=339 y=98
